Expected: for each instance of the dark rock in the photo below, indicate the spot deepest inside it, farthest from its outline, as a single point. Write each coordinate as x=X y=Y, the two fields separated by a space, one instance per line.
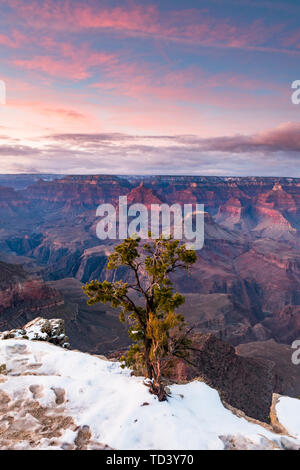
x=244 y=383
x=279 y=356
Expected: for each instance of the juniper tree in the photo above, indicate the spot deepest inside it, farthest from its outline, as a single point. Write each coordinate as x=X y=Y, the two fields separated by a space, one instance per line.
x=148 y=304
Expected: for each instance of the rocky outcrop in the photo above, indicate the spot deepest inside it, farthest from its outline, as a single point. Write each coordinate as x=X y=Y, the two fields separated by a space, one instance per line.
x=279 y=357
x=285 y=326
x=11 y=200
x=41 y=329
x=241 y=443
x=33 y=295
x=77 y=192
x=143 y=195
x=23 y=296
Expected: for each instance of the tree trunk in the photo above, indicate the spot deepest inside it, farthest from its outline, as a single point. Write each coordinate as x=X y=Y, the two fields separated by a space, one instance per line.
x=147 y=358
x=158 y=389
x=156 y=386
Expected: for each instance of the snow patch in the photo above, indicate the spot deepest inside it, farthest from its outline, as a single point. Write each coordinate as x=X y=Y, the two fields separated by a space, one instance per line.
x=288 y=413
x=105 y=397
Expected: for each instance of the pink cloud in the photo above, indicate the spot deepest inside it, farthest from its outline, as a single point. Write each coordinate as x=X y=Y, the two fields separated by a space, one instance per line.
x=15 y=40
x=54 y=67
x=63 y=113
x=68 y=62
x=191 y=25
x=292 y=39
x=129 y=93
x=6 y=41
x=192 y=85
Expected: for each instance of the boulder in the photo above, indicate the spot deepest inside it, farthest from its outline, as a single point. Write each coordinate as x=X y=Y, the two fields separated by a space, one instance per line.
x=41 y=329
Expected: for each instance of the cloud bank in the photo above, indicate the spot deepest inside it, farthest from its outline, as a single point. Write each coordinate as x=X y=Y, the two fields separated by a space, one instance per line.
x=272 y=153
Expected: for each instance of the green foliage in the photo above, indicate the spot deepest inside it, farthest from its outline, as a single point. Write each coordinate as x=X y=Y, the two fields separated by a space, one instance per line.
x=158 y=333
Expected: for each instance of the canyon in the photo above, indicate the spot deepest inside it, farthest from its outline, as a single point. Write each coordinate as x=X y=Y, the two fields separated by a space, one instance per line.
x=244 y=287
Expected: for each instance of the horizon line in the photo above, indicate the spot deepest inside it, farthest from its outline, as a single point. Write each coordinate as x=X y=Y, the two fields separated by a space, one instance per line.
x=145 y=175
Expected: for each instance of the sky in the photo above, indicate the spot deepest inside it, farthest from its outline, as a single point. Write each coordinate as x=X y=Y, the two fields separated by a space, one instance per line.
x=150 y=87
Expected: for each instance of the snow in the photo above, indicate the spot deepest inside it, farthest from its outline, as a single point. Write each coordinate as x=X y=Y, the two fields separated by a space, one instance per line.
x=42 y=330
x=35 y=332
x=288 y=413
x=118 y=407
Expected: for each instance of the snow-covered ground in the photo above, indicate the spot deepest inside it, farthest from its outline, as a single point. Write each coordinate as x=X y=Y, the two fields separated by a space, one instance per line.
x=288 y=413
x=117 y=407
